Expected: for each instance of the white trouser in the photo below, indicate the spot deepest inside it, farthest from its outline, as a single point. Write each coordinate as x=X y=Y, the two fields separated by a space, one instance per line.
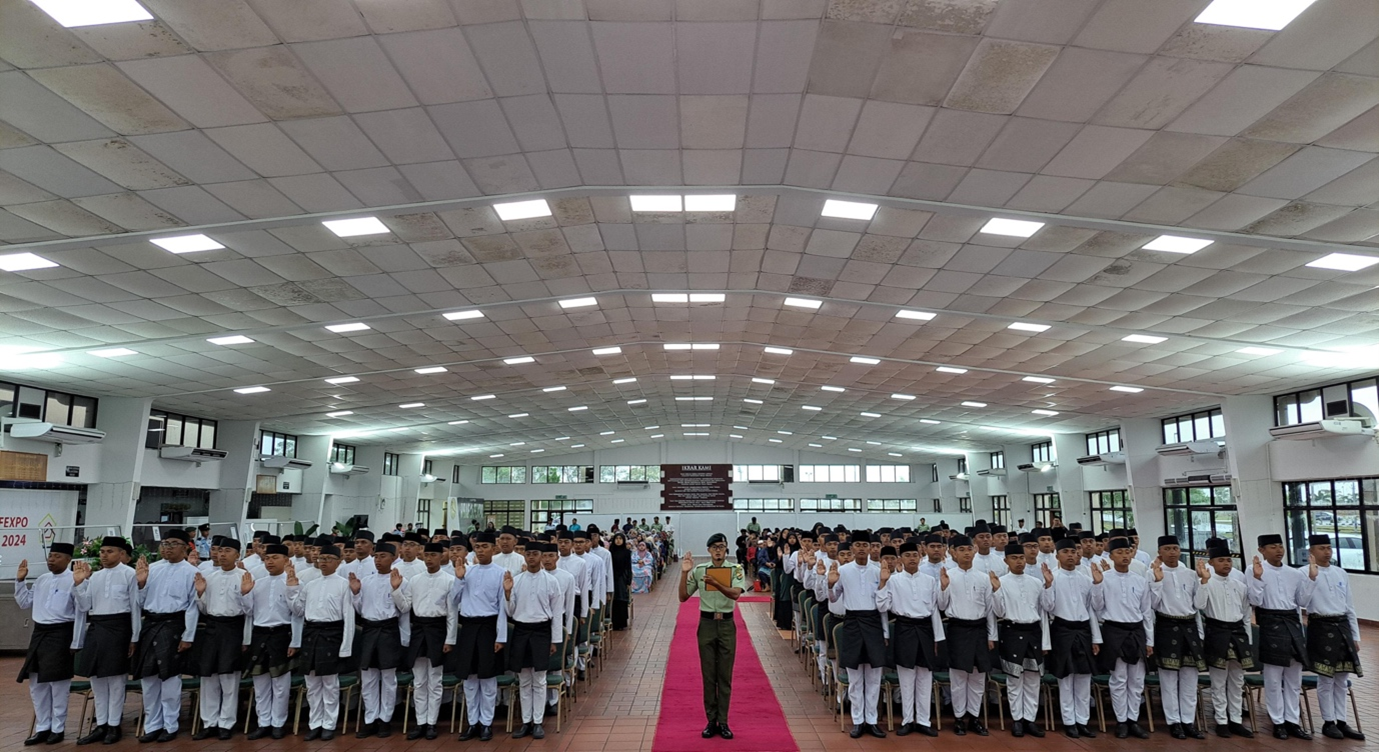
x=108 y=692
x=323 y=699
x=271 y=698
x=1178 y=692
x=1023 y=691
x=378 y=687
x=1281 y=689
x=823 y=658
x=1227 y=693
x=427 y=691
x=50 y=704
x=1331 y=696
x=1127 y=690
x=916 y=692
x=531 y=691
x=968 y=688
x=864 y=692
x=482 y=697
x=219 y=700
x=1075 y=697
x=162 y=703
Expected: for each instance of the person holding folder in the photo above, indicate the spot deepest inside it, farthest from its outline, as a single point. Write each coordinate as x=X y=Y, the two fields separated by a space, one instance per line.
x=719 y=586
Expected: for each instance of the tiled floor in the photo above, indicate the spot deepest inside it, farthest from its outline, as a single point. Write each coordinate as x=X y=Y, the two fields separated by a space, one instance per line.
x=619 y=709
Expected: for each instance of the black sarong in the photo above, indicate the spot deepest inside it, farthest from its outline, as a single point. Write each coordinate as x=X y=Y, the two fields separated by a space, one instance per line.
x=1227 y=641
x=913 y=642
x=1072 y=648
x=474 y=653
x=267 y=652
x=379 y=645
x=220 y=646
x=1124 y=640
x=428 y=640
x=1280 y=637
x=862 y=640
x=50 y=653
x=106 y=649
x=1176 y=644
x=157 y=653
x=1021 y=647
x=320 y=651
x=529 y=645
x=1330 y=650
x=967 y=650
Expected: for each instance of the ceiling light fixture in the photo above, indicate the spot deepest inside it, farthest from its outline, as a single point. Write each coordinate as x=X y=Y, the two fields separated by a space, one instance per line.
x=751 y=401
x=950 y=369
x=537 y=451
x=619 y=441
x=929 y=422
x=658 y=203
x=724 y=202
x=74 y=13
x=519 y=360
x=576 y=446
x=577 y=408
x=481 y=397
x=186 y=244
x=1037 y=380
x=853 y=449
x=893 y=454
x=915 y=315
x=578 y=302
x=637 y=401
x=874 y=443
x=492 y=456
x=253 y=390
x=1021 y=326
x=669 y=297
x=829 y=438
x=463 y=315
x=1270 y=15
x=349 y=228
x=629 y=380
x=870 y=415
x=550 y=389
x=974 y=404
x=523 y=209
x=651 y=428
x=817 y=446
x=707 y=297
x=357 y=326
x=233 y=339
x=411 y=405
x=773 y=441
x=1344 y=262
x=342 y=380
x=1015 y=228
x=606 y=350
x=848 y=209
x=1127 y=389
x=899 y=396
x=804 y=303
x=519 y=415
x=811 y=408
x=864 y=361
x=1258 y=351
x=23 y=262
x=1044 y=412
x=114 y=352
x=734 y=436
x=339 y=413
x=430 y=370
x=1176 y=244
x=777 y=351
x=607 y=433
x=457 y=423
x=694 y=399
x=757 y=380
x=1144 y=339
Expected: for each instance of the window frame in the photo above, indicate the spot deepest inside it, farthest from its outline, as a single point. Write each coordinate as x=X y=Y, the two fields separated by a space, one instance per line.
x=1302 y=516
x=1292 y=402
x=1000 y=509
x=1103 y=442
x=828 y=506
x=1212 y=418
x=997 y=460
x=850 y=473
x=763 y=505
x=279 y=444
x=893 y=506
x=499 y=477
x=343 y=453
x=391 y=463
x=631 y=470
x=881 y=471
x=1110 y=501
x=155 y=439
x=1041 y=451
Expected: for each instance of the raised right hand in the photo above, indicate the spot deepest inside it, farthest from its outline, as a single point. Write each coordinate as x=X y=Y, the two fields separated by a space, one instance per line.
x=355 y=584
x=1203 y=572
x=291 y=575
x=200 y=583
x=943 y=578
x=995 y=581
x=23 y=572
x=833 y=574
x=459 y=570
x=1048 y=574
x=687 y=562
x=80 y=571
x=1258 y=569
x=1096 y=575
x=141 y=571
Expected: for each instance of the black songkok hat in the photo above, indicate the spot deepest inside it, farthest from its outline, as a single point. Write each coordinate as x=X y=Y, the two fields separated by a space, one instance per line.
x=594 y=529
x=385 y=548
x=114 y=541
x=1086 y=535
x=1066 y=543
x=1015 y=549
x=460 y=540
x=933 y=538
x=507 y=530
x=1168 y=540
x=277 y=548
x=581 y=535
x=62 y=548
x=860 y=536
x=1041 y=532
x=908 y=546
x=176 y=535
x=364 y=535
x=330 y=551
x=959 y=540
x=216 y=539
x=1216 y=552
x=229 y=543
x=1132 y=532
x=437 y=547
x=830 y=537
x=1268 y=539
x=979 y=528
x=1027 y=538
x=1319 y=540
x=415 y=538
x=1116 y=543
x=1217 y=542
x=260 y=534
x=483 y=536
x=888 y=551
x=714 y=540
x=997 y=529
x=565 y=535
x=272 y=539
x=455 y=534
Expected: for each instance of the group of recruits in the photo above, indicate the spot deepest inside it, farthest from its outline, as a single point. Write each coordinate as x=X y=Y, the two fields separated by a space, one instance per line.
x=1075 y=604
x=471 y=607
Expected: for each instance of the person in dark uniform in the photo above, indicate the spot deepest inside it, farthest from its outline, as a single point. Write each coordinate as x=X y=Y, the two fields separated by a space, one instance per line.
x=48 y=664
x=717 y=632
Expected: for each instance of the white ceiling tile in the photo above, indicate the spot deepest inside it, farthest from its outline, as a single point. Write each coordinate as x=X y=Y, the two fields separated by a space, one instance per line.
x=256 y=199
x=274 y=79
x=474 y=129
x=356 y=73
x=1078 y=83
x=811 y=169
x=30 y=107
x=586 y=120
x=1000 y=75
x=379 y=186
x=385 y=17
x=1108 y=199
x=711 y=166
x=567 y=56
x=335 y=142
x=264 y=149
x=826 y=123
x=507 y=56
x=1046 y=21
x=1359 y=187
x=1244 y=96
x=438 y=181
x=554 y=168
x=316 y=193
x=214 y=24
x=1160 y=92
x=405 y=136
x=308 y=20
x=919 y=68
x=846 y=58
x=782 y=57
x=1359 y=225
x=192 y=204
x=1172 y=205
x=929 y=182
x=123 y=163
x=30 y=38
x=129 y=211
x=952 y=18
x=636 y=58
x=598 y=166
x=715 y=58
x=65 y=217
x=958 y=138
x=1095 y=151
x=988 y=187
x=889 y=131
x=1323 y=36
x=131 y=41
x=1360 y=134
x=1304 y=172
x=650 y=166
x=193 y=90
x=1235 y=162
x=507 y=174
x=867 y=174
x=713 y=122
x=437 y=65
x=1025 y=144
x=534 y=122
x=53 y=172
x=1164 y=157
x=1323 y=106
x=645 y=121
x=1234 y=211
x=16 y=191
x=1049 y=194
x=771 y=120
x=1133 y=26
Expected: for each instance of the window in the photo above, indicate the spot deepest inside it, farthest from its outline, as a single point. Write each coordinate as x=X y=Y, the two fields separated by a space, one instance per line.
x=342 y=453
x=888 y=473
x=965 y=504
x=933 y=473
x=1345 y=509
x=561 y=511
x=998 y=460
x=938 y=505
x=390 y=463
x=562 y=474
x=1110 y=510
x=1046 y=507
x=830 y=474
x=831 y=505
x=503 y=474
x=60 y=408
x=892 y=505
x=504 y=512
x=280 y=444
x=1200 y=512
x=1103 y=442
x=745 y=473
x=1336 y=400
x=1041 y=452
x=427 y=466
x=423 y=513
x=179 y=430
x=1000 y=509
x=1206 y=424
x=962 y=466
x=631 y=473
x=763 y=505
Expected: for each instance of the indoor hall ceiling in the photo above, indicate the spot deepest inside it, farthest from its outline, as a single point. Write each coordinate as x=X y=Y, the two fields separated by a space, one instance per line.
x=220 y=110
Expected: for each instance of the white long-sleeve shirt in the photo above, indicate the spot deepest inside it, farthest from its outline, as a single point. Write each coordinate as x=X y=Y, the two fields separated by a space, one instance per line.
x=1020 y=600
x=171 y=588
x=1331 y=596
x=326 y=599
x=578 y=569
x=480 y=593
x=1282 y=588
x=566 y=581
x=409 y=569
x=111 y=591
x=968 y=597
x=268 y=605
x=858 y=589
x=1124 y=597
x=428 y=595
x=50 y=597
x=1176 y=594
x=992 y=561
x=537 y=597
x=596 y=586
x=1224 y=599
x=222 y=597
x=1070 y=599
x=914 y=596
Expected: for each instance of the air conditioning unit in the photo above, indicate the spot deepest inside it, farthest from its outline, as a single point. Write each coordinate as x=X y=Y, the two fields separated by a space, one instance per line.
x=279 y=461
x=1028 y=467
x=341 y=468
x=1319 y=429
x=191 y=454
x=959 y=476
x=1191 y=448
x=429 y=478
x=1110 y=458
x=55 y=433
x=1193 y=479
x=996 y=471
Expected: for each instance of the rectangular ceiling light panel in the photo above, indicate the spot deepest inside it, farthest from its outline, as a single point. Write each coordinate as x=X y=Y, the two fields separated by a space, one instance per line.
x=523 y=209
x=848 y=210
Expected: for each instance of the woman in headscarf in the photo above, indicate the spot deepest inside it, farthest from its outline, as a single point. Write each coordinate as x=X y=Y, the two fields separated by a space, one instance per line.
x=622 y=580
x=643 y=567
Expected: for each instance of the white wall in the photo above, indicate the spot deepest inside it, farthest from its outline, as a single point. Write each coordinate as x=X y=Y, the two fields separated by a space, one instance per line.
x=177 y=474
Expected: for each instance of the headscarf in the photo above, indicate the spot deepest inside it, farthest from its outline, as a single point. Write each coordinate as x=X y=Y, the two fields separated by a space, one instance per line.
x=622 y=556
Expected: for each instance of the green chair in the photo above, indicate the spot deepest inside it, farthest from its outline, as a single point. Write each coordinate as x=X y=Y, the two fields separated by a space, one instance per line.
x=347 y=684
x=507 y=685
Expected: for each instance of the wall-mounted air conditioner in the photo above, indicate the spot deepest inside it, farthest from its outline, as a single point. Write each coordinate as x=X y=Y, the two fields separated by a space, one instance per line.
x=191 y=454
x=430 y=478
x=1191 y=448
x=959 y=476
x=1320 y=429
x=279 y=461
x=1110 y=458
x=1195 y=479
x=55 y=433
x=996 y=471
x=341 y=468
x=1036 y=467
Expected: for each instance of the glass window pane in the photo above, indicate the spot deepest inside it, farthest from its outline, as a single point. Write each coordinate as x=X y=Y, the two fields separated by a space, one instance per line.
x=1365 y=394
x=1170 y=432
x=519 y=475
x=207 y=438
x=873 y=473
x=172 y=433
x=58 y=408
x=1310 y=405
x=902 y=474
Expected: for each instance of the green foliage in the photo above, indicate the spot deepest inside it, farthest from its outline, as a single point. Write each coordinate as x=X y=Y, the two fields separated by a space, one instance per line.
x=346 y=528
x=299 y=531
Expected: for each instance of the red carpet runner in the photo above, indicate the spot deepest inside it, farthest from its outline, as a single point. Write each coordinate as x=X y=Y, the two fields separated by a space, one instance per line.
x=755 y=715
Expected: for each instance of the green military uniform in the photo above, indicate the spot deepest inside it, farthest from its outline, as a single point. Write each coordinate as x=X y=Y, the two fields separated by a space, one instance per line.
x=717 y=640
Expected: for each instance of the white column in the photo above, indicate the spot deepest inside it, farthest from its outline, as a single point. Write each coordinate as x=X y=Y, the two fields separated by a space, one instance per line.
x=1258 y=497
x=1139 y=437
x=230 y=503
x=978 y=485
x=110 y=503
x=308 y=506
x=1072 y=490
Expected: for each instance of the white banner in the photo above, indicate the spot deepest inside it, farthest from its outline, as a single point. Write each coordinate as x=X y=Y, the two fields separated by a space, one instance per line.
x=30 y=520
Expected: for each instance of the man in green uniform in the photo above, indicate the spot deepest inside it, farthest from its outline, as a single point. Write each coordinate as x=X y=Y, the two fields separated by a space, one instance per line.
x=717 y=630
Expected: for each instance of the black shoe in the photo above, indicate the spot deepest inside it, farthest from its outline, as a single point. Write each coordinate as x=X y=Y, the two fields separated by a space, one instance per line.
x=384 y=729
x=855 y=733
x=1071 y=732
x=976 y=725
x=959 y=727
x=55 y=737
x=1223 y=731
x=1240 y=729
x=431 y=732
x=1017 y=729
x=1280 y=731
x=926 y=730
x=876 y=731
x=151 y=736
x=1349 y=732
x=258 y=733
x=1138 y=732
x=416 y=733
x=225 y=734
x=486 y=733
x=522 y=731
x=113 y=735
x=41 y=736
x=327 y=734
x=1176 y=731
x=580 y=675
x=1298 y=732
x=97 y=735
x=710 y=731
x=548 y=712
x=724 y=731
x=470 y=733
x=206 y=732
x=1122 y=730
x=364 y=731
x=312 y=735
x=1193 y=732
x=539 y=732
x=1086 y=731
x=904 y=730
x=279 y=732
x=167 y=736
x=1330 y=731
x=1032 y=728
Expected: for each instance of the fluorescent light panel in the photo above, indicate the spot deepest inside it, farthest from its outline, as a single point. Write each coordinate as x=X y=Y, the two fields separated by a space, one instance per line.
x=811 y=408
x=813 y=305
x=519 y=360
x=1176 y=244
x=578 y=302
x=1044 y=412
x=1037 y=380
x=430 y=370
x=410 y=405
x=23 y=262
x=606 y=350
x=848 y=209
x=342 y=380
x=751 y=401
x=1021 y=326
x=870 y=415
x=950 y=369
x=186 y=244
x=114 y=352
x=929 y=422
x=657 y=203
x=974 y=404
x=1270 y=15
x=1127 y=389
x=233 y=339
x=339 y=413
x=481 y=397
x=357 y=326
x=693 y=399
x=463 y=315
x=577 y=408
x=1258 y=351
x=523 y=209
x=694 y=297
x=553 y=389
x=519 y=415
x=349 y=228
x=828 y=388
x=864 y=361
x=1015 y=228
x=915 y=315
x=74 y=13
x=777 y=351
x=625 y=381
x=637 y=401
x=253 y=390
x=906 y=397
x=1144 y=339
x=763 y=381
x=711 y=203
x=1344 y=262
